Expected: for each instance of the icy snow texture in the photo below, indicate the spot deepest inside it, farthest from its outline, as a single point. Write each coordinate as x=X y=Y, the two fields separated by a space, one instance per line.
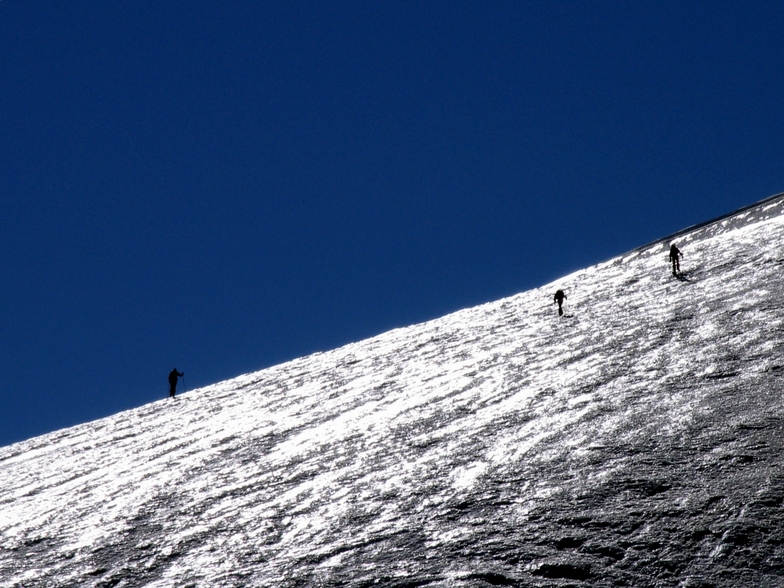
x=636 y=441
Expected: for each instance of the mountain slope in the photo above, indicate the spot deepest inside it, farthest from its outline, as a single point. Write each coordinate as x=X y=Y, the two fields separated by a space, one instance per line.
x=636 y=441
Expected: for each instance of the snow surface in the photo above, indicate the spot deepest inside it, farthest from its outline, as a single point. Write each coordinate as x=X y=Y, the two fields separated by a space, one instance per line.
x=636 y=441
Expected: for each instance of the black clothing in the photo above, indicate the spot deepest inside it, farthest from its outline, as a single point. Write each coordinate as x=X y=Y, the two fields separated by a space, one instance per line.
x=173 y=375
x=559 y=298
x=675 y=254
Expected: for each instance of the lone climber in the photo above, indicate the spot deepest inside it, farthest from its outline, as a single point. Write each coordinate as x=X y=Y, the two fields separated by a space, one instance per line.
x=173 y=375
x=559 y=298
x=675 y=254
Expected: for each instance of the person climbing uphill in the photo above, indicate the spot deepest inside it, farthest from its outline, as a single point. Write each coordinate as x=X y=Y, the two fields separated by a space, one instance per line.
x=675 y=254
x=173 y=375
x=559 y=298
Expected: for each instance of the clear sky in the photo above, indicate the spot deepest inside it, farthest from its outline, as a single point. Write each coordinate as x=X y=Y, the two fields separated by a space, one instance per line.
x=222 y=186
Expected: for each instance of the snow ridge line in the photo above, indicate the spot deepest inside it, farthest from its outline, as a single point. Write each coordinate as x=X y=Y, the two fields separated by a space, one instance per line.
x=732 y=220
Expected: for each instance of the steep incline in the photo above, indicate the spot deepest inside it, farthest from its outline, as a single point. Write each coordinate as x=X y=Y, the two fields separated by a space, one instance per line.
x=637 y=441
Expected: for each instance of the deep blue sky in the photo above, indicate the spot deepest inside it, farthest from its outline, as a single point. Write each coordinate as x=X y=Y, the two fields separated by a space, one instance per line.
x=223 y=186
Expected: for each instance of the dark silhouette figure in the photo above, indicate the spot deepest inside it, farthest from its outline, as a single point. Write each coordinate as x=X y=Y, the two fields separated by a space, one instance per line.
x=559 y=298
x=173 y=375
x=675 y=254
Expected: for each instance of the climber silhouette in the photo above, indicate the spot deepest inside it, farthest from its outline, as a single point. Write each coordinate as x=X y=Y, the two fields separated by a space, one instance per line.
x=173 y=375
x=559 y=298
x=675 y=253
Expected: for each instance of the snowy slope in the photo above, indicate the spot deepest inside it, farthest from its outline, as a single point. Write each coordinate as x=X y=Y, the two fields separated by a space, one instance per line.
x=637 y=441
